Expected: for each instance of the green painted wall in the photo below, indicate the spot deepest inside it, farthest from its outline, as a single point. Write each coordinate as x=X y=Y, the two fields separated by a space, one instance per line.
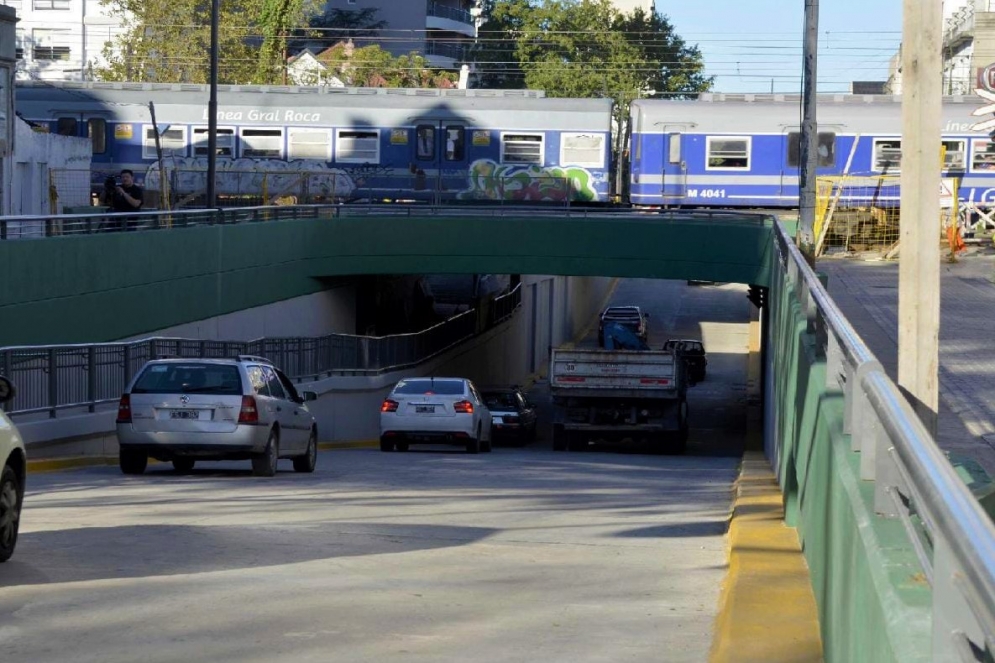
x=874 y=604
x=102 y=287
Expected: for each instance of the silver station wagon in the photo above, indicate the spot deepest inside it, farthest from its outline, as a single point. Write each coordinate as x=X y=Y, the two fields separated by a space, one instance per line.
x=185 y=410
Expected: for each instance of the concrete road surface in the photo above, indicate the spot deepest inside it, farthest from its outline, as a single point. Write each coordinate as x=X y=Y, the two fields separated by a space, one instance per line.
x=522 y=554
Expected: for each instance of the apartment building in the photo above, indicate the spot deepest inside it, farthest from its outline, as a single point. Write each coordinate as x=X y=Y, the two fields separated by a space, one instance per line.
x=60 y=39
x=626 y=6
x=442 y=30
x=968 y=48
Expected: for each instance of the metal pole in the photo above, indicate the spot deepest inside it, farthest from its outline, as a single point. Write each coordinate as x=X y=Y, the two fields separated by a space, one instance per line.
x=212 y=107
x=919 y=264
x=809 y=140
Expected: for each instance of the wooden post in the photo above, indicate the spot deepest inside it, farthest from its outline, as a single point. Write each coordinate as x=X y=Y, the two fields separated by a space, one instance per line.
x=919 y=265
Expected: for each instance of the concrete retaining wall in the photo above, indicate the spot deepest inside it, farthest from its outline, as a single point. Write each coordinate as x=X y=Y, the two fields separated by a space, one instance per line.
x=874 y=603
x=347 y=409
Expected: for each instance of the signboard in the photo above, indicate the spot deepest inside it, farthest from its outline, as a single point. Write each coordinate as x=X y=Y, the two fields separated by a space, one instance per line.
x=123 y=132
x=986 y=78
x=398 y=136
x=481 y=138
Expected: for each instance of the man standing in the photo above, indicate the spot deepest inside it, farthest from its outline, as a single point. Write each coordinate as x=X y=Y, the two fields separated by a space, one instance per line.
x=127 y=196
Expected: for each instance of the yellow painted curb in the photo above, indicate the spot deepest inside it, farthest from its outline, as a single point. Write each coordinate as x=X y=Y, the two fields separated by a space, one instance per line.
x=359 y=444
x=767 y=611
x=57 y=464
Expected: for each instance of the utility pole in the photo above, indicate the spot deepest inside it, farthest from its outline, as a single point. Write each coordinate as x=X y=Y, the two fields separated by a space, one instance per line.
x=808 y=158
x=212 y=108
x=919 y=264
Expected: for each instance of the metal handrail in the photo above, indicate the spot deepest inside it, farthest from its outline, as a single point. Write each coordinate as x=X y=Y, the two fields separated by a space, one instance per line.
x=912 y=477
x=62 y=377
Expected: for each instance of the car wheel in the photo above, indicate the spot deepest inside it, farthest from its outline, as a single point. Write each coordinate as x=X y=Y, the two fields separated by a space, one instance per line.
x=264 y=464
x=183 y=464
x=386 y=444
x=307 y=462
x=487 y=446
x=473 y=446
x=10 y=512
x=132 y=461
x=401 y=446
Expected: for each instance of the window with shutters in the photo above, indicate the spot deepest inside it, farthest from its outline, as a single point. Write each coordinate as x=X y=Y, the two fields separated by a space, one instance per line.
x=172 y=139
x=352 y=146
x=522 y=148
x=305 y=143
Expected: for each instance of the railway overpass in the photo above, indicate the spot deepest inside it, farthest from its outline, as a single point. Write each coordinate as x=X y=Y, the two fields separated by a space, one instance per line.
x=902 y=559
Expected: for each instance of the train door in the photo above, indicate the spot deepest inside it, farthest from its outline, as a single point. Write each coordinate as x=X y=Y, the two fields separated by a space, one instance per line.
x=440 y=157
x=674 y=168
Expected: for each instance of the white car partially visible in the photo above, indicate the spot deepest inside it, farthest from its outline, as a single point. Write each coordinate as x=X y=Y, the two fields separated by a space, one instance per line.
x=13 y=472
x=435 y=411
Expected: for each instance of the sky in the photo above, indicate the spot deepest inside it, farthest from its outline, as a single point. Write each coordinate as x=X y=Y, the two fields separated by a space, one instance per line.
x=752 y=45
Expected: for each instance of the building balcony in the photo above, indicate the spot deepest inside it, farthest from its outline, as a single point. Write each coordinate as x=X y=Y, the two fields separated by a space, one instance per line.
x=959 y=28
x=444 y=55
x=449 y=19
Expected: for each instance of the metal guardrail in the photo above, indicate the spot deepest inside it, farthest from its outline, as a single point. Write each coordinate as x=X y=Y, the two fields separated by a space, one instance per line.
x=452 y=13
x=60 y=377
x=57 y=225
x=913 y=481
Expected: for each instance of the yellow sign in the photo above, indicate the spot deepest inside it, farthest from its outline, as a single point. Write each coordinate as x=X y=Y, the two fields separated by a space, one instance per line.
x=123 y=131
x=481 y=138
x=398 y=136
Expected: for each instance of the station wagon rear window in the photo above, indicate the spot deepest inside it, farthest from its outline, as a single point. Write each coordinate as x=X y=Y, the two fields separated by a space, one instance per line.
x=522 y=148
x=419 y=387
x=357 y=146
x=173 y=141
x=190 y=378
x=728 y=153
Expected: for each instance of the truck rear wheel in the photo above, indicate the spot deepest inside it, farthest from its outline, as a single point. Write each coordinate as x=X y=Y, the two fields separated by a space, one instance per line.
x=559 y=438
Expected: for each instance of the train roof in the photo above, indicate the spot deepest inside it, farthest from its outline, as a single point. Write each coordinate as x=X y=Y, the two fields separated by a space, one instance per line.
x=337 y=106
x=765 y=113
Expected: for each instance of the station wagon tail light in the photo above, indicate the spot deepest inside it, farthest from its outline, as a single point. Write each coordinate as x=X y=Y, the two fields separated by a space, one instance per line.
x=124 y=410
x=464 y=407
x=249 y=414
x=389 y=406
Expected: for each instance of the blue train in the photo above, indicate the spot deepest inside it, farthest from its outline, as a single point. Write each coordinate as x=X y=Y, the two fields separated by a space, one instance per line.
x=724 y=150
x=365 y=143
x=338 y=143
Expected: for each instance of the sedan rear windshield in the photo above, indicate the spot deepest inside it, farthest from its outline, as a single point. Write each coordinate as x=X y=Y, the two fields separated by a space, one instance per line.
x=441 y=387
x=500 y=400
x=189 y=379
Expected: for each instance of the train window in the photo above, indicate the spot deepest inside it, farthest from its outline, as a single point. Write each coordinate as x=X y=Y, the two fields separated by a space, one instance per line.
x=586 y=150
x=522 y=148
x=954 y=154
x=262 y=143
x=425 y=142
x=305 y=143
x=66 y=126
x=728 y=153
x=96 y=129
x=827 y=149
x=172 y=139
x=674 y=155
x=353 y=146
x=888 y=154
x=983 y=154
x=224 y=143
x=455 y=143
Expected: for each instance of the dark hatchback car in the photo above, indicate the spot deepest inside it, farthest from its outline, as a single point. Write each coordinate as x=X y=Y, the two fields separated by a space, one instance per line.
x=513 y=416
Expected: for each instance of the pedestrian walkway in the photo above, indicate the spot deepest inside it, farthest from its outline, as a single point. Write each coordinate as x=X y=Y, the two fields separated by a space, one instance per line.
x=867 y=294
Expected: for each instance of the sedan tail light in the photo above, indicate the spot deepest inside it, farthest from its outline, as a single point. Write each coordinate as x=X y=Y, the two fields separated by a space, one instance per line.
x=389 y=406
x=124 y=410
x=249 y=414
x=463 y=407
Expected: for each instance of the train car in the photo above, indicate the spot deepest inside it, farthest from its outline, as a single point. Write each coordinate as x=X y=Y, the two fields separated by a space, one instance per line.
x=320 y=144
x=725 y=150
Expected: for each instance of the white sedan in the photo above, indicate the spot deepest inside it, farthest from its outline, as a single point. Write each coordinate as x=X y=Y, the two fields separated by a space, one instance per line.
x=13 y=469
x=435 y=411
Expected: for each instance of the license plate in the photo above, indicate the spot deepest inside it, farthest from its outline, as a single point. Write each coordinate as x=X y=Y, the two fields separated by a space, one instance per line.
x=424 y=409
x=184 y=414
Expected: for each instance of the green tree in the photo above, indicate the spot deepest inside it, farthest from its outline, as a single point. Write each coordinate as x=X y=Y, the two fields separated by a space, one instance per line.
x=372 y=66
x=167 y=41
